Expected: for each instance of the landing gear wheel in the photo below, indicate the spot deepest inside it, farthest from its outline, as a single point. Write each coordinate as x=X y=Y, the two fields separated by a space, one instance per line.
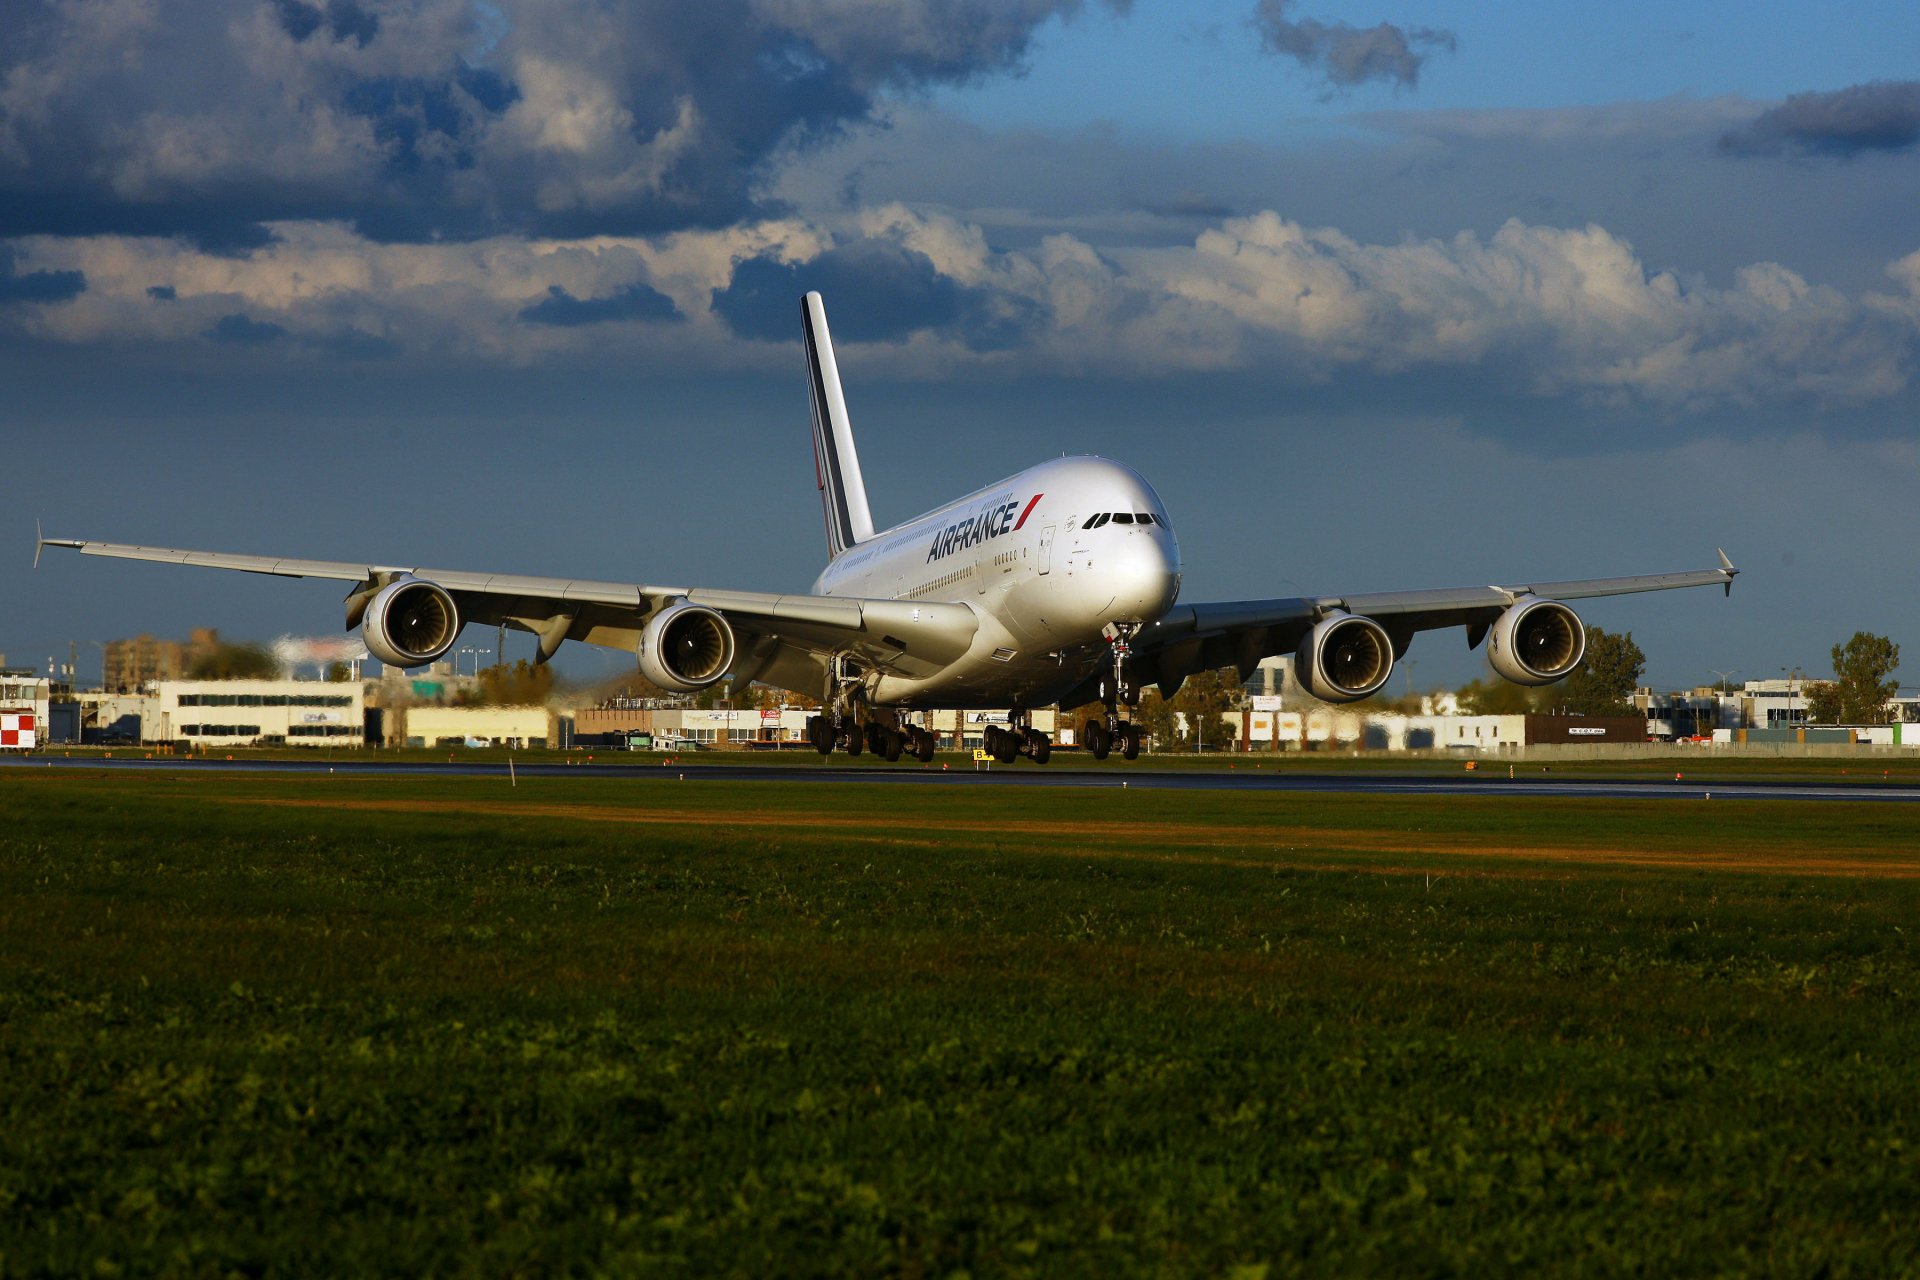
x=1006 y=746
x=1039 y=746
x=854 y=740
x=892 y=742
x=923 y=746
x=1099 y=741
x=1130 y=742
x=820 y=734
x=876 y=737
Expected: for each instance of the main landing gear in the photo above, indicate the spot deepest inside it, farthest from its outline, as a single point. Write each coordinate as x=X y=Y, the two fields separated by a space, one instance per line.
x=879 y=731
x=1116 y=691
x=854 y=725
x=1018 y=739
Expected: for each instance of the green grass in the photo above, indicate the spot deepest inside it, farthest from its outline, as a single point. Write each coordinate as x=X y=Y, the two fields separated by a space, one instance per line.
x=272 y=1025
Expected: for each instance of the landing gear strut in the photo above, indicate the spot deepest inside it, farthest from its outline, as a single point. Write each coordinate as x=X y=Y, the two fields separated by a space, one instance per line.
x=1117 y=691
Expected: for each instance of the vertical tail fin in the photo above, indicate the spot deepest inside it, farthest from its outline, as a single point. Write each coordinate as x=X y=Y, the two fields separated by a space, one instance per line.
x=837 y=466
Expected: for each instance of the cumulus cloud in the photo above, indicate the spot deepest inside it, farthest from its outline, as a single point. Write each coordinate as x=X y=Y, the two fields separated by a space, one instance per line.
x=1349 y=55
x=1530 y=310
x=423 y=119
x=1883 y=115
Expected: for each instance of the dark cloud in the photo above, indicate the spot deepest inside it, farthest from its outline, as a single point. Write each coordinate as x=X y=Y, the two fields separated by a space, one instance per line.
x=1883 y=115
x=205 y=119
x=635 y=302
x=1348 y=55
x=897 y=292
x=341 y=19
x=244 y=331
x=900 y=291
x=37 y=286
x=163 y=293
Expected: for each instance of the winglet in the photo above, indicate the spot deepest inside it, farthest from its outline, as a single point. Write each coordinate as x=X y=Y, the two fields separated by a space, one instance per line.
x=1726 y=567
x=41 y=542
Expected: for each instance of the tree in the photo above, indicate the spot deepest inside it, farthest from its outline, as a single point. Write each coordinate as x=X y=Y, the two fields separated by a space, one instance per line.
x=1203 y=700
x=1862 y=668
x=1497 y=697
x=523 y=684
x=1603 y=684
x=235 y=662
x=1155 y=718
x=1823 y=702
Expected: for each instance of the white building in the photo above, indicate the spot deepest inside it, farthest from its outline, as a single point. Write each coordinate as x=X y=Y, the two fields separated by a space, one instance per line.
x=238 y=713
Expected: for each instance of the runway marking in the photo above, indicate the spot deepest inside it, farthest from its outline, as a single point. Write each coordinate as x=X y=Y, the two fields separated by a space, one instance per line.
x=1095 y=839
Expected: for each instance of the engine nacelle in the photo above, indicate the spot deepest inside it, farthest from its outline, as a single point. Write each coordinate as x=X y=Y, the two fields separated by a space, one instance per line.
x=410 y=622
x=1344 y=658
x=685 y=647
x=1537 y=642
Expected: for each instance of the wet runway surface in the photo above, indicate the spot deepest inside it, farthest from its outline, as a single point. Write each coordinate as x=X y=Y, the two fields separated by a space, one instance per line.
x=1489 y=783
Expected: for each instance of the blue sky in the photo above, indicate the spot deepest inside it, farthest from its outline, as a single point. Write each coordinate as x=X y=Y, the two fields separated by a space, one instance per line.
x=1378 y=295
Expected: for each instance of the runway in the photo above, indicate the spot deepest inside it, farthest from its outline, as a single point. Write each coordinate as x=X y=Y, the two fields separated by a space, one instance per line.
x=1143 y=777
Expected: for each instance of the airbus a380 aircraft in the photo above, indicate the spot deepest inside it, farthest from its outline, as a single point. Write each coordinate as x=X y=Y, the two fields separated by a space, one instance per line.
x=1055 y=585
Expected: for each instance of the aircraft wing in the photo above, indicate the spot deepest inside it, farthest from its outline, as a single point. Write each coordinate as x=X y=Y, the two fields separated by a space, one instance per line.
x=1201 y=637
x=772 y=631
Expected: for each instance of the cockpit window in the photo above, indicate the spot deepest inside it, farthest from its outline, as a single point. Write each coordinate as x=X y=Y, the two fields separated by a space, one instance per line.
x=1144 y=517
x=1123 y=517
x=1096 y=521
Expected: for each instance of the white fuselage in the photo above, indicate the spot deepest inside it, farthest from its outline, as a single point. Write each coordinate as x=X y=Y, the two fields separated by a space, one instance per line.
x=1042 y=582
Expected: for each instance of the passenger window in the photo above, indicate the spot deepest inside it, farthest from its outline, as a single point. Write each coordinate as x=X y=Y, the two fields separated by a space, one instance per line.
x=1123 y=517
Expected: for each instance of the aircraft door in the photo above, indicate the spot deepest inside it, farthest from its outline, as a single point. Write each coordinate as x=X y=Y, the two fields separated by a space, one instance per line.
x=1044 y=553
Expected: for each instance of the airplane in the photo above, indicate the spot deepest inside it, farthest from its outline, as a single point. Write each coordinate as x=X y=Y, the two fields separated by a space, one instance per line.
x=1058 y=585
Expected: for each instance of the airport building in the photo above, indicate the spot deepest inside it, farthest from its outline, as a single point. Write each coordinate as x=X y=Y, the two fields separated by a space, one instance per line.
x=238 y=713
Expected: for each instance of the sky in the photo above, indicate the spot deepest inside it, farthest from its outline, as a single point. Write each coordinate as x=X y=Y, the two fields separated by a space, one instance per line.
x=1379 y=294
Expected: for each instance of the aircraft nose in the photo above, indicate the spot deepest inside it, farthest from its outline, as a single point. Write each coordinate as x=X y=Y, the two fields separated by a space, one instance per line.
x=1150 y=571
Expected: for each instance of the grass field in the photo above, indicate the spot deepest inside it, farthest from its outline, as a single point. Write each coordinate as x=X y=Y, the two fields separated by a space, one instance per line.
x=326 y=1025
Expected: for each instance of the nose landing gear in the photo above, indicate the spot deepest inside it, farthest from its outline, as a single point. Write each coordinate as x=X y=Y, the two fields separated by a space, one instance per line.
x=1117 y=691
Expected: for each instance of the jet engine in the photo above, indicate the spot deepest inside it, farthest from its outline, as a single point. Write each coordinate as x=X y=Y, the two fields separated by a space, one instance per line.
x=1344 y=658
x=410 y=622
x=1537 y=642
x=685 y=647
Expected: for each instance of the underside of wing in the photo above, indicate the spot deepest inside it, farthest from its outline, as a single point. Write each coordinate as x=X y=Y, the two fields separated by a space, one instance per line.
x=415 y=614
x=1200 y=637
